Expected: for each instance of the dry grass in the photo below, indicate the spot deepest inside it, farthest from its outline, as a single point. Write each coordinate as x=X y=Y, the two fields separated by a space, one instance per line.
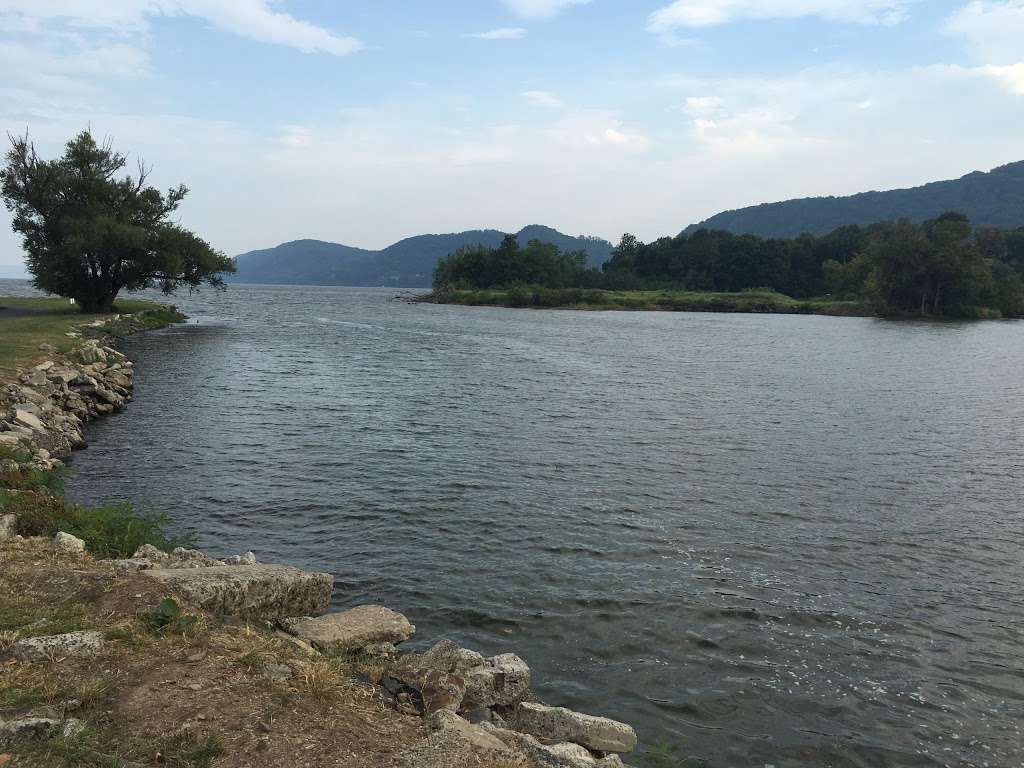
x=198 y=698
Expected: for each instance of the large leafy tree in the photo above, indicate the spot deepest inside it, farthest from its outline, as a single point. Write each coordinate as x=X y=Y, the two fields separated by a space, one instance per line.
x=90 y=231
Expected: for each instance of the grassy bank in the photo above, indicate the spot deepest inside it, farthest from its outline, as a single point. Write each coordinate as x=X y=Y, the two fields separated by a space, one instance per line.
x=26 y=323
x=667 y=301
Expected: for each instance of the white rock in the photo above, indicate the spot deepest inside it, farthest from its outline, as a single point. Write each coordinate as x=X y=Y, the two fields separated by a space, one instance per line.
x=8 y=527
x=71 y=644
x=249 y=558
x=28 y=420
x=66 y=544
x=259 y=591
x=351 y=630
x=559 y=724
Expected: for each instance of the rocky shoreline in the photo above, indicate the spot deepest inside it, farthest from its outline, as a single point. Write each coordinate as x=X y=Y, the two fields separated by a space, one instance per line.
x=475 y=708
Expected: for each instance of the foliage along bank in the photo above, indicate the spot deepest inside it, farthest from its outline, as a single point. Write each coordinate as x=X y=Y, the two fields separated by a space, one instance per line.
x=940 y=268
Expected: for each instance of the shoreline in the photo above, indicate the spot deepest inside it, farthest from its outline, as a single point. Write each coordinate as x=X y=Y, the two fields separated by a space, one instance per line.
x=454 y=706
x=592 y=300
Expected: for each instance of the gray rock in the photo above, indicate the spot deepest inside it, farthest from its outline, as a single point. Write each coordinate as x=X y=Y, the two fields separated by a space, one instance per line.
x=35 y=378
x=454 y=743
x=28 y=420
x=501 y=680
x=259 y=591
x=8 y=527
x=191 y=558
x=249 y=558
x=39 y=728
x=71 y=644
x=278 y=672
x=351 y=630
x=149 y=552
x=564 y=755
x=559 y=724
x=66 y=544
x=90 y=354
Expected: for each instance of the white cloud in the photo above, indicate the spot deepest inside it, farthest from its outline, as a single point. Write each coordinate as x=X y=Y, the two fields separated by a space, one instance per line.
x=540 y=9
x=707 y=13
x=254 y=19
x=995 y=30
x=543 y=99
x=504 y=33
x=1011 y=76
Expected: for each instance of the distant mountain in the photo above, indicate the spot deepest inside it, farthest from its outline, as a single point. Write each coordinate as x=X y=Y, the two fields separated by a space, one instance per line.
x=408 y=263
x=995 y=198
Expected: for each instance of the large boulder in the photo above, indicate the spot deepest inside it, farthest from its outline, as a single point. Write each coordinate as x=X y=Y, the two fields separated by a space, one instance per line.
x=559 y=725
x=66 y=544
x=258 y=591
x=454 y=743
x=71 y=644
x=350 y=630
x=563 y=755
x=502 y=680
x=28 y=420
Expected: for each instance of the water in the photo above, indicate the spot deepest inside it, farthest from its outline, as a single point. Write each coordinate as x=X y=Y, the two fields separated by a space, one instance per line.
x=776 y=540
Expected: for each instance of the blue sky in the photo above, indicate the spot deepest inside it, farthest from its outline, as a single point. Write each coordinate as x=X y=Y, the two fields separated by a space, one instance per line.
x=366 y=121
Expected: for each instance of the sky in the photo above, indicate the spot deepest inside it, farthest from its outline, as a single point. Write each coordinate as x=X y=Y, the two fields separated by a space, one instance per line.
x=366 y=121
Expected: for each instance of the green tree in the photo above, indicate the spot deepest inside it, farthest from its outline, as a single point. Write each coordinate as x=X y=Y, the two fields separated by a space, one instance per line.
x=90 y=233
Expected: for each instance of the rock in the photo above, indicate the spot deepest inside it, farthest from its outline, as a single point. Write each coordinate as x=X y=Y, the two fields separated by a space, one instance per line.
x=559 y=724
x=454 y=743
x=36 y=377
x=351 y=630
x=44 y=366
x=66 y=544
x=72 y=644
x=149 y=552
x=501 y=680
x=564 y=755
x=39 y=728
x=90 y=354
x=248 y=558
x=46 y=347
x=10 y=439
x=259 y=591
x=28 y=420
x=191 y=558
x=278 y=672
x=8 y=527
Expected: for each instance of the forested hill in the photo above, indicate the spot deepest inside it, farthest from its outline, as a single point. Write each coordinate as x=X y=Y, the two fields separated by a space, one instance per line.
x=995 y=198
x=408 y=263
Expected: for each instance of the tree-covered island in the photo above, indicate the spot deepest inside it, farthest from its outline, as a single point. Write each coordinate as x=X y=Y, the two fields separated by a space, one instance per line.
x=941 y=268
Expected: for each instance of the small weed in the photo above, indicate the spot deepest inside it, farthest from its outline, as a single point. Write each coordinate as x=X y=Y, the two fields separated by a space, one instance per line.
x=169 y=618
x=186 y=749
x=8 y=637
x=322 y=677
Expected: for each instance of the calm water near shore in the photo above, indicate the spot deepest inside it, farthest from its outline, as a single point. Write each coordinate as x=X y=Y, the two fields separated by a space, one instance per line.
x=786 y=540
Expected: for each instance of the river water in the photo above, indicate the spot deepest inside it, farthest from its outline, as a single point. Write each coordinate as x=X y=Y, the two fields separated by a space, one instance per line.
x=771 y=540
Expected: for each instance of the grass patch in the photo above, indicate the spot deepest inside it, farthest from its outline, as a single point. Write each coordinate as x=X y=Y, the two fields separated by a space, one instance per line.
x=51 y=319
x=112 y=531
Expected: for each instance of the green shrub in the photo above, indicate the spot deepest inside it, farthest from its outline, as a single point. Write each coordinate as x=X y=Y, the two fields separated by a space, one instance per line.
x=168 y=617
x=110 y=531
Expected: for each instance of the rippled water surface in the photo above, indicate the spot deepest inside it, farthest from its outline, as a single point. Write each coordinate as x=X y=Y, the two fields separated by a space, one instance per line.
x=778 y=540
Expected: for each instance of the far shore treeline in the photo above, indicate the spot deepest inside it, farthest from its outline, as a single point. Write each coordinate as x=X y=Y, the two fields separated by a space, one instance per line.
x=941 y=268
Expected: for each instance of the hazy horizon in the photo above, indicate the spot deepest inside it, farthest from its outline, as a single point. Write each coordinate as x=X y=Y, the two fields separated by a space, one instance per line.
x=376 y=121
